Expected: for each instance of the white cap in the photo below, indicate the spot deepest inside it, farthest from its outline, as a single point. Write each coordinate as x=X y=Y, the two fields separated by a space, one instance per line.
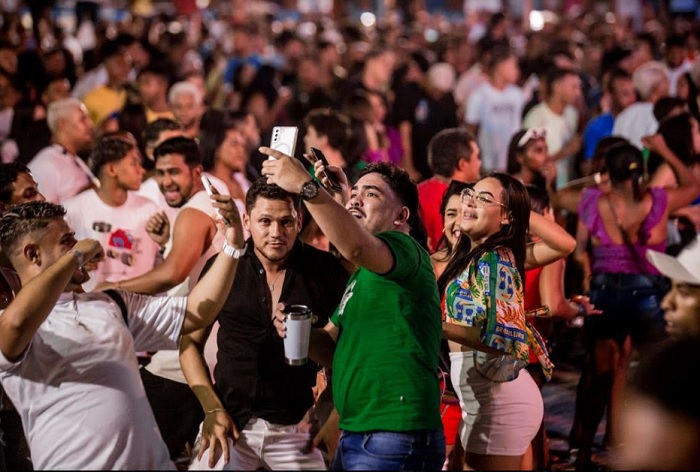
x=683 y=268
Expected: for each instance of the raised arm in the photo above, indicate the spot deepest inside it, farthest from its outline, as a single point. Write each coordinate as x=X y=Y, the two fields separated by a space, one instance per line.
x=192 y=234
x=555 y=243
x=34 y=302
x=207 y=297
x=688 y=185
x=344 y=231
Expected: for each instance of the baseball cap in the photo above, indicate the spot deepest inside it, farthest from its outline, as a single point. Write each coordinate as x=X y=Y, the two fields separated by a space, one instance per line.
x=683 y=268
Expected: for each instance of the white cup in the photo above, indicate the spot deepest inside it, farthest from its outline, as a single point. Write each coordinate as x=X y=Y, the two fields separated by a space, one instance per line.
x=298 y=321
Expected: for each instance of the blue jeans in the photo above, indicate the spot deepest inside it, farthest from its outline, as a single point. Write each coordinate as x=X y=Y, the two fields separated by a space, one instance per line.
x=631 y=305
x=390 y=450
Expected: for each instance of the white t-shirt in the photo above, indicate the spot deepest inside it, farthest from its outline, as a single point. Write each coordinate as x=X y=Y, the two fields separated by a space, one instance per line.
x=129 y=250
x=167 y=363
x=77 y=386
x=59 y=174
x=498 y=114
x=560 y=130
x=635 y=121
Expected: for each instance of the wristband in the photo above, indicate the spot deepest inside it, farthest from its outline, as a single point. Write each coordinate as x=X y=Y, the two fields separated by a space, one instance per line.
x=234 y=252
x=80 y=256
x=214 y=410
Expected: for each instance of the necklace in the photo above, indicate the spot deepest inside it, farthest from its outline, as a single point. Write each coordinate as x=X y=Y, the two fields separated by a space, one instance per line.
x=272 y=285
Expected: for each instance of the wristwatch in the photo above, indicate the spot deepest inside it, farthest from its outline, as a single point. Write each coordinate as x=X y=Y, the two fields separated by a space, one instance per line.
x=309 y=190
x=234 y=252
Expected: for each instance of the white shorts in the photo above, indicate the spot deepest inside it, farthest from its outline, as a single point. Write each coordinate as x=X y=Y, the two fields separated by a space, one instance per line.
x=499 y=418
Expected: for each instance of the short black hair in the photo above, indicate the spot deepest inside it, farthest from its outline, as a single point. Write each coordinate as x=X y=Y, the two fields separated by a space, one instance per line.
x=261 y=189
x=405 y=189
x=330 y=123
x=152 y=131
x=446 y=148
x=24 y=219
x=186 y=147
x=554 y=75
x=8 y=176
x=109 y=149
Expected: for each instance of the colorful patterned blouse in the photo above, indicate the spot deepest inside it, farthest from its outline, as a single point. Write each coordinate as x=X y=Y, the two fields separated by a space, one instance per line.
x=489 y=295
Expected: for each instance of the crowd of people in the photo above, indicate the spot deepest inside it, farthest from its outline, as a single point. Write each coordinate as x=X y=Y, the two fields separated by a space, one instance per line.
x=497 y=184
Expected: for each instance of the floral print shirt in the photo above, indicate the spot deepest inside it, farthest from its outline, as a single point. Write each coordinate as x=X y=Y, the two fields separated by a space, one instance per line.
x=489 y=295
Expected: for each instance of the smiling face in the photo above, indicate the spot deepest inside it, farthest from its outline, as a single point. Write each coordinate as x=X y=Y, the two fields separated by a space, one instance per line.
x=57 y=239
x=453 y=216
x=681 y=307
x=274 y=226
x=176 y=180
x=373 y=202
x=484 y=215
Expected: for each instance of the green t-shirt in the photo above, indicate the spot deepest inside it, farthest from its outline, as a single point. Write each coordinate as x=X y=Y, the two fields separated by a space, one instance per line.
x=386 y=359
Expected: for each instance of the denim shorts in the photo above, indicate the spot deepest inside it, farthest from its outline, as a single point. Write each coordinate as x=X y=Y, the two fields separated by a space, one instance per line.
x=390 y=450
x=631 y=306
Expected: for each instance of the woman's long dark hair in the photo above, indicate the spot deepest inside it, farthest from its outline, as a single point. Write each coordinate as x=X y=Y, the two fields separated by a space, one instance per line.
x=512 y=235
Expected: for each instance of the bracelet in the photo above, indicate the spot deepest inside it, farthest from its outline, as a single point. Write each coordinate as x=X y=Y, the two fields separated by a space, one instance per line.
x=234 y=252
x=208 y=412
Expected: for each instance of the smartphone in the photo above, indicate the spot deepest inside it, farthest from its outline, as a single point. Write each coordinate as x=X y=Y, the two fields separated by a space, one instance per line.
x=284 y=139
x=208 y=186
x=211 y=190
x=332 y=180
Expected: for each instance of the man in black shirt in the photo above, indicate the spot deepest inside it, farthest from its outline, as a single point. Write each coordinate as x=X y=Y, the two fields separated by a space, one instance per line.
x=258 y=400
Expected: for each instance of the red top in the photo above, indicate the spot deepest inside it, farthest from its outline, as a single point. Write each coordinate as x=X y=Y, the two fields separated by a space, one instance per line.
x=532 y=301
x=430 y=194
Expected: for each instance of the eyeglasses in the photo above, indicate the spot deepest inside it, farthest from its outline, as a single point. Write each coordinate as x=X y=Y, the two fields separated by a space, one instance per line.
x=480 y=199
x=532 y=133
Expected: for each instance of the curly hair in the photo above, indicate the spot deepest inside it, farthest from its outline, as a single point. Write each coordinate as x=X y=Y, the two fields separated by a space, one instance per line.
x=24 y=219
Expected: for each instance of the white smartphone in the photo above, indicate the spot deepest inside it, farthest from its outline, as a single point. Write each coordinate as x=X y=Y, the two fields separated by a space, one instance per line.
x=284 y=139
x=208 y=186
x=211 y=190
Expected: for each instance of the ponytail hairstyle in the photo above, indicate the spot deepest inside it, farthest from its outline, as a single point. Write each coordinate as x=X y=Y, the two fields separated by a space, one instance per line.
x=626 y=163
x=512 y=235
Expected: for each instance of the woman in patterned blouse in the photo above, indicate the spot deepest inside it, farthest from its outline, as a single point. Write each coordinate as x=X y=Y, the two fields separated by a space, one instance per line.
x=485 y=323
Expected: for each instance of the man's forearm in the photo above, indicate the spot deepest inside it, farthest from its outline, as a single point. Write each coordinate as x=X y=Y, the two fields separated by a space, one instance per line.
x=207 y=297
x=197 y=373
x=321 y=347
x=33 y=304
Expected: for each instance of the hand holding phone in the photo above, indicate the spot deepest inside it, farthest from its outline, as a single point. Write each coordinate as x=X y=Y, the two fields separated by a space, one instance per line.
x=332 y=180
x=211 y=190
x=284 y=139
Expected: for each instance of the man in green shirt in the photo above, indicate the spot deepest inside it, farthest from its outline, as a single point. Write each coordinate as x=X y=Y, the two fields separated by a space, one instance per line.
x=383 y=339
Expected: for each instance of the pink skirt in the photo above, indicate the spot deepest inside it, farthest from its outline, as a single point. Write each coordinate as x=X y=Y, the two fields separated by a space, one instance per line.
x=499 y=418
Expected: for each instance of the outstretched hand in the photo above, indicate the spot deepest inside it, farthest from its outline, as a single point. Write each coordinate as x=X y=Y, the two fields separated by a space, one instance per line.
x=285 y=171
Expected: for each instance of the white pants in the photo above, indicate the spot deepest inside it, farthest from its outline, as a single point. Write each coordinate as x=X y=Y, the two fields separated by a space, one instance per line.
x=264 y=445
